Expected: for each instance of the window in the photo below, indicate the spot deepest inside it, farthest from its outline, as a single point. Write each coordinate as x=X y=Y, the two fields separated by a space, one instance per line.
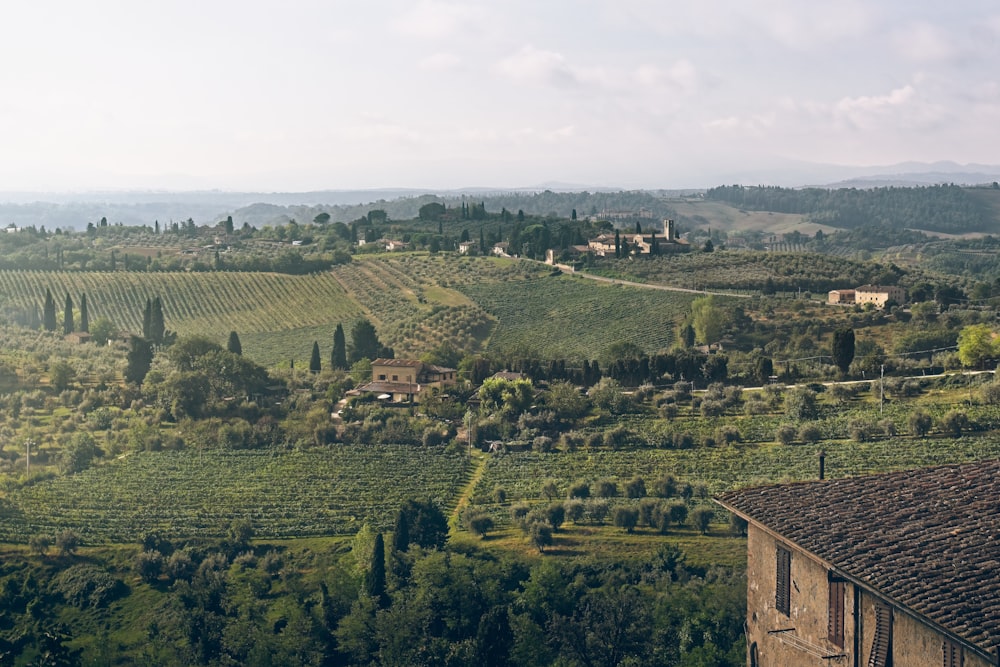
x=382 y=376
x=952 y=654
x=881 y=655
x=835 y=623
x=782 y=593
x=395 y=378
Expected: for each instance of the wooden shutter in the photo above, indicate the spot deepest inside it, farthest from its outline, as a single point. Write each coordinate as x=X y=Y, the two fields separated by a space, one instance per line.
x=953 y=655
x=782 y=593
x=835 y=624
x=881 y=655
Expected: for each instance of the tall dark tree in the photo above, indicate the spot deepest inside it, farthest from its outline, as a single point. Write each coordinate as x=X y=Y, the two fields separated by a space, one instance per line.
x=365 y=343
x=494 y=638
x=147 y=317
x=68 y=315
x=315 y=365
x=618 y=244
x=234 y=344
x=843 y=349
x=401 y=533
x=84 y=316
x=156 y=325
x=49 y=312
x=338 y=358
x=375 y=576
x=138 y=359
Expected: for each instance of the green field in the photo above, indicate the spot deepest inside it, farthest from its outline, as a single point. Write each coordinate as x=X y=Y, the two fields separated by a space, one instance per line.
x=276 y=315
x=330 y=491
x=567 y=317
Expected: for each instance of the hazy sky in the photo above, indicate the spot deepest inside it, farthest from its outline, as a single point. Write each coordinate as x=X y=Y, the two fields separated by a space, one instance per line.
x=297 y=95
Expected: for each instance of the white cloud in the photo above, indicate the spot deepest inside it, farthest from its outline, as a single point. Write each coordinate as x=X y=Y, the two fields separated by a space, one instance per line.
x=437 y=20
x=681 y=77
x=867 y=110
x=923 y=43
x=440 y=62
x=538 y=67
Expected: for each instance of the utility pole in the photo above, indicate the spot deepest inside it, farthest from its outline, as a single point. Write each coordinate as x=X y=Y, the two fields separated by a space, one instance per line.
x=881 y=391
x=27 y=457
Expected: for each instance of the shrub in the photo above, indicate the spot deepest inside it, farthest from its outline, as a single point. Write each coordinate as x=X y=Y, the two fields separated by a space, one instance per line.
x=606 y=489
x=627 y=518
x=636 y=488
x=786 y=434
x=519 y=511
x=728 y=434
x=810 y=433
x=499 y=495
x=575 y=510
x=665 y=486
x=579 y=490
x=920 y=423
x=702 y=518
x=954 y=422
x=148 y=565
x=556 y=515
x=478 y=523
x=87 y=585
x=597 y=510
x=550 y=489
x=677 y=512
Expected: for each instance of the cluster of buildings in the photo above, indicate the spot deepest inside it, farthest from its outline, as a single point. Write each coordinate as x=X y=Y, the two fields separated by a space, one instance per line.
x=878 y=295
x=650 y=242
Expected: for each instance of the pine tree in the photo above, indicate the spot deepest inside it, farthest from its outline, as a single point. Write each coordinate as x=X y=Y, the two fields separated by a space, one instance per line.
x=234 y=344
x=68 y=315
x=375 y=577
x=49 y=312
x=84 y=317
x=338 y=359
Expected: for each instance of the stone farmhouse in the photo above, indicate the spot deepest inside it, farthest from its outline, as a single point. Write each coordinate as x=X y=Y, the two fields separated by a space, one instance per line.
x=405 y=380
x=879 y=295
x=895 y=569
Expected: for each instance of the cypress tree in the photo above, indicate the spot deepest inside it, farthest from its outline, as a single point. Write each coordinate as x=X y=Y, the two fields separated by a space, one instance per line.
x=338 y=359
x=375 y=577
x=314 y=362
x=84 y=317
x=401 y=533
x=35 y=321
x=139 y=359
x=618 y=244
x=68 y=315
x=49 y=312
x=234 y=344
x=156 y=325
x=147 y=316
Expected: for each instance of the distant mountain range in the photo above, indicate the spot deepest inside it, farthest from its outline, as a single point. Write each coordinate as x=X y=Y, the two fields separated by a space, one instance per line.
x=75 y=209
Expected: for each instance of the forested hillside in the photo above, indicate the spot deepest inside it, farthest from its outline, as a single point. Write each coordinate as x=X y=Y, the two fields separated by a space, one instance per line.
x=942 y=208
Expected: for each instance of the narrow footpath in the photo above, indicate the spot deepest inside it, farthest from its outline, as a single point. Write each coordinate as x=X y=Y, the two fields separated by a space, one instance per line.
x=479 y=461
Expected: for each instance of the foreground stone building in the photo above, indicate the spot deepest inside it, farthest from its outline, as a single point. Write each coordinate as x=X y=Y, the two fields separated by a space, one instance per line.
x=405 y=380
x=899 y=569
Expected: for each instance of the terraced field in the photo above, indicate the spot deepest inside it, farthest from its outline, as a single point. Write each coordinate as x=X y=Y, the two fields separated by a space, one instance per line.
x=190 y=494
x=277 y=316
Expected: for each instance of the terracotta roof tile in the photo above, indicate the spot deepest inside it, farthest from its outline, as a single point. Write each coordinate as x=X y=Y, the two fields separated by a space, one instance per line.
x=927 y=539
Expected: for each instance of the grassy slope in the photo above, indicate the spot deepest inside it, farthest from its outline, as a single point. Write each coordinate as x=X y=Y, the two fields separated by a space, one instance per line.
x=717 y=215
x=567 y=317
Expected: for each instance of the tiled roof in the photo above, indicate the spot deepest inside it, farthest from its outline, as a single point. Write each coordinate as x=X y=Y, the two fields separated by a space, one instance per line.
x=927 y=539
x=399 y=363
x=390 y=388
